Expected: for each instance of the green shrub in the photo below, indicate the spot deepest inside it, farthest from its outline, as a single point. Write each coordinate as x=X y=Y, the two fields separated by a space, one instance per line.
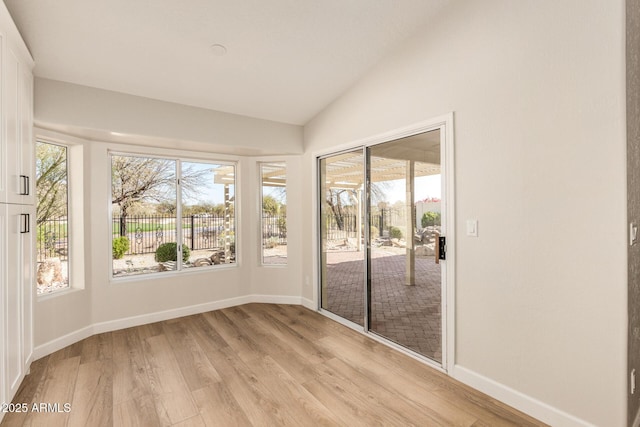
x=167 y=252
x=430 y=218
x=373 y=231
x=395 y=232
x=120 y=246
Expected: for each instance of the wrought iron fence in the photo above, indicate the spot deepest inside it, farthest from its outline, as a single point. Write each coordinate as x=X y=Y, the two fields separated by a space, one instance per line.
x=147 y=232
x=274 y=228
x=341 y=226
x=204 y=231
x=345 y=226
x=52 y=241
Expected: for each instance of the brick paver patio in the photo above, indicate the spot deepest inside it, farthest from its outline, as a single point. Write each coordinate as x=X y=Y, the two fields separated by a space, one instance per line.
x=407 y=315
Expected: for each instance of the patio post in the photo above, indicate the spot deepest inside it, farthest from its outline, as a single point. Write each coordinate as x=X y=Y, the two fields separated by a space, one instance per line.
x=410 y=263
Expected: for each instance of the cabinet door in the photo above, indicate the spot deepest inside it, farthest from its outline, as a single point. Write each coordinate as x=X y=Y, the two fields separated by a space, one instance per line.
x=4 y=241
x=25 y=137
x=27 y=280
x=18 y=294
x=17 y=122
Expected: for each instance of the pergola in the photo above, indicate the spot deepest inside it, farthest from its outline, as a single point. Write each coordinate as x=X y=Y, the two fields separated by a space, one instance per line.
x=273 y=175
x=406 y=158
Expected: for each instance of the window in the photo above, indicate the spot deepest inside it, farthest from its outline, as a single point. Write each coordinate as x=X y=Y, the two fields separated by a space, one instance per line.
x=273 y=185
x=162 y=208
x=52 y=218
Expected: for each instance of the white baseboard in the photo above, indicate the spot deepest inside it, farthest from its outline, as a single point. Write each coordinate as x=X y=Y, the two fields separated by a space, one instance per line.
x=143 y=319
x=309 y=304
x=527 y=404
x=276 y=299
x=61 y=342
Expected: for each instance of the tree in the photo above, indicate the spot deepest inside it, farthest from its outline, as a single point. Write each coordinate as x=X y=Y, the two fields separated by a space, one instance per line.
x=142 y=179
x=270 y=205
x=335 y=200
x=51 y=181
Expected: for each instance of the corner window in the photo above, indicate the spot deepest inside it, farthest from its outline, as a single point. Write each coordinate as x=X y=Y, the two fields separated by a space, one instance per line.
x=273 y=185
x=171 y=215
x=52 y=218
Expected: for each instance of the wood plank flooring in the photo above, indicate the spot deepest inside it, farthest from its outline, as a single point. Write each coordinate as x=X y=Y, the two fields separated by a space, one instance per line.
x=256 y=364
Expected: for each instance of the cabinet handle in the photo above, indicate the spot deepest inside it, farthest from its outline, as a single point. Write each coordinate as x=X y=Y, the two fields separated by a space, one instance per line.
x=25 y=223
x=25 y=185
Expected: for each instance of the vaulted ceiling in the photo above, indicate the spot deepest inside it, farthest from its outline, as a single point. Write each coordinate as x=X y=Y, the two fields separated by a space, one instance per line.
x=285 y=60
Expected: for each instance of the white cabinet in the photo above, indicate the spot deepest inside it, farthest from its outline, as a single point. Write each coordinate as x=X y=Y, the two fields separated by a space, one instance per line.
x=17 y=226
x=17 y=183
x=17 y=209
x=4 y=244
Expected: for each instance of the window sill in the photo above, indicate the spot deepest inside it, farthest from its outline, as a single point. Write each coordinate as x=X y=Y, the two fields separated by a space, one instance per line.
x=171 y=274
x=57 y=294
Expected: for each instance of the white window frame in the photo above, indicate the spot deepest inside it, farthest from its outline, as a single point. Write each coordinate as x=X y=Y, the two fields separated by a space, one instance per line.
x=179 y=268
x=75 y=209
x=260 y=213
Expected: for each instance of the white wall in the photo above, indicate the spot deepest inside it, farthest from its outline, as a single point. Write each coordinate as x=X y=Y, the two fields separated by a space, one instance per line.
x=97 y=114
x=98 y=303
x=537 y=88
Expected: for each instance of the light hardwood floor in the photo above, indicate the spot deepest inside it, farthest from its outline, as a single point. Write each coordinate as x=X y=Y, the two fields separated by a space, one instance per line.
x=257 y=364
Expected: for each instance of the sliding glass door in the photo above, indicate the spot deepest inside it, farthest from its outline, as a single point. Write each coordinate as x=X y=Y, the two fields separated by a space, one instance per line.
x=405 y=211
x=342 y=230
x=381 y=219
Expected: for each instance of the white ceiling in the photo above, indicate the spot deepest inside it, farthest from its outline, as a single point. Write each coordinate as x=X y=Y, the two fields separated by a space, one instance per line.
x=286 y=59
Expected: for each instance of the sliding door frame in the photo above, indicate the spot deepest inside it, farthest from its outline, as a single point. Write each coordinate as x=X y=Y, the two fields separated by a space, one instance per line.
x=445 y=124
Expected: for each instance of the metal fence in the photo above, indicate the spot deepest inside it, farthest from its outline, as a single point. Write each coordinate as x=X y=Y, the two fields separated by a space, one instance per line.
x=147 y=232
x=341 y=227
x=274 y=228
x=52 y=239
x=205 y=231
x=345 y=226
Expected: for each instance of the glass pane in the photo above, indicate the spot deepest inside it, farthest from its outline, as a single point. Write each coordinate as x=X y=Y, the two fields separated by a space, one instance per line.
x=405 y=211
x=208 y=214
x=273 y=183
x=143 y=197
x=342 y=232
x=52 y=218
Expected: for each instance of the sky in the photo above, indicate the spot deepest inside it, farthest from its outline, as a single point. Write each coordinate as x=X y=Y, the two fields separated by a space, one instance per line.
x=425 y=187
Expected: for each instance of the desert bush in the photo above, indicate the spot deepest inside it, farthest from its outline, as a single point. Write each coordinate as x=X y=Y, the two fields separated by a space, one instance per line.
x=120 y=246
x=395 y=232
x=167 y=252
x=430 y=218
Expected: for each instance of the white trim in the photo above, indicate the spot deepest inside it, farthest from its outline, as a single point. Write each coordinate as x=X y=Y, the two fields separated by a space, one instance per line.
x=258 y=162
x=527 y=404
x=416 y=128
x=310 y=304
x=143 y=319
x=62 y=342
x=449 y=297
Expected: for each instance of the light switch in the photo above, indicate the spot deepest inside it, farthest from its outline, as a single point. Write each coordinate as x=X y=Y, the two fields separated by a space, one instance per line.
x=472 y=227
x=633 y=234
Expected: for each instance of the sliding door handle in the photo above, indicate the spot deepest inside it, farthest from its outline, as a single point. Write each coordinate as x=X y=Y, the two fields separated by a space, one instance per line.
x=25 y=223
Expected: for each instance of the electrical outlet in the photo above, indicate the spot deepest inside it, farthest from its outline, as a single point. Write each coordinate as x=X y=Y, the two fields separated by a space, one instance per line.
x=633 y=381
